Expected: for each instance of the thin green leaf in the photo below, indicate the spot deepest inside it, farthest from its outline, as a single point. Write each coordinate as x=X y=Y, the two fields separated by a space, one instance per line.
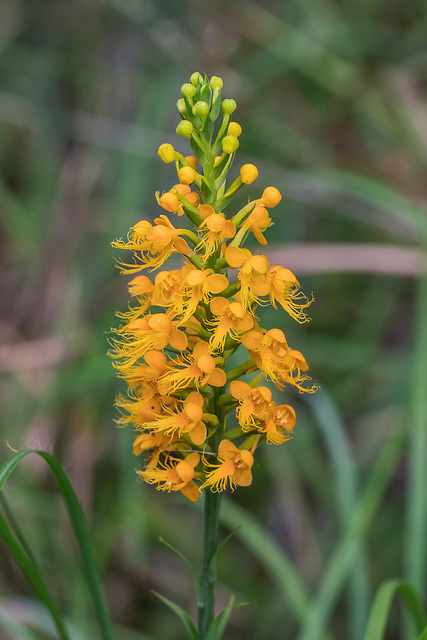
x=343 y=557
x=382 y=604
x=214 y=559
x=182 y=615
x=219 y=623
x=33 y=576
x=345 y=487
x=79 y=525
x=189 y=565
x=18 y=533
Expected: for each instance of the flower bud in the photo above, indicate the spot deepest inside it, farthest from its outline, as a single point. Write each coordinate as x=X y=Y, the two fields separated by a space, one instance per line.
x=228 y=106
x=271 y=197
x=180 y=105
x=186 y=175
x=216 y=83
x=217 y=159
x=169 y=202
x=234 y=129
x=201 y=109
x=188 y=90
x=166 y=152
x=193 y=198
x=248 y=173
x=196 y=78
x=184 y=129
x=230 y=144
x=192 y=161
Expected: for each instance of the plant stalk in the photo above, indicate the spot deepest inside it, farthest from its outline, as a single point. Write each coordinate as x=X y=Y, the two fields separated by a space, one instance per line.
x=209 y=560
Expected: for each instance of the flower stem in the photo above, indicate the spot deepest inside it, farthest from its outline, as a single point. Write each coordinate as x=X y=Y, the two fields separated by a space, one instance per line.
x=209 y=560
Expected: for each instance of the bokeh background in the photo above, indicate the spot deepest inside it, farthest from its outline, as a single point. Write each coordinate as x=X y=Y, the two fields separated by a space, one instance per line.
x=332 y=100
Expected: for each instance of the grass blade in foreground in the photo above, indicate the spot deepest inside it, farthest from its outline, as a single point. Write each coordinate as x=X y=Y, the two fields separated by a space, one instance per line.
x=345 y=552
x=382 y=604
x=78 y=522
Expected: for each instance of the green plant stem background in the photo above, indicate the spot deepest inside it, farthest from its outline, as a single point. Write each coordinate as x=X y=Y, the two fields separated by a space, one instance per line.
x=331 y=98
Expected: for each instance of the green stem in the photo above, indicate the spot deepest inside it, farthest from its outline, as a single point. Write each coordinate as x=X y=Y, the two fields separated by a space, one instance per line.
x=209 y=559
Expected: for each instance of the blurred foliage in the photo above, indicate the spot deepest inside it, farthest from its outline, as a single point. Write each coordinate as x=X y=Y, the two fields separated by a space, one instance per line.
x=331 y=97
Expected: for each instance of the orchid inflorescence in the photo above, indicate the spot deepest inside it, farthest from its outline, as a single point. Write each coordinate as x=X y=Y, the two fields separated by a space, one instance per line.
x=175 y=342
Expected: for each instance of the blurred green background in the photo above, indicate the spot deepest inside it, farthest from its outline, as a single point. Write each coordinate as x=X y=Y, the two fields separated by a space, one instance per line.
x=332 y=100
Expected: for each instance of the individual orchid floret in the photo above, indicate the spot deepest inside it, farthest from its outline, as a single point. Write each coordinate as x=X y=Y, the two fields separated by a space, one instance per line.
x=254 y=403
x=231 y=319
x=175 y=475
x=197 y=369
x=234 y=468
x=184 y=418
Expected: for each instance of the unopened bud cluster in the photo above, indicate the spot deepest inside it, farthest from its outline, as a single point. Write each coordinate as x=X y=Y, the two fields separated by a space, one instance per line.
x=176 y=340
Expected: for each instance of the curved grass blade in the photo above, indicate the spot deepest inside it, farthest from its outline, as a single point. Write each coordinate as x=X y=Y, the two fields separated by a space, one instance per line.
x=268 y=552
x=79 y=524
x=182 y=615
x=345 y=485
x=342 y=560
x=18 y=533
x=34 y=577
x=382 y=604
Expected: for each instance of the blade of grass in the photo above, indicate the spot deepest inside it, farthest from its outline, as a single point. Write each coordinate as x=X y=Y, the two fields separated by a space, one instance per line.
x=343 y=557
x=268 y=552
x=345 y=486
x=34 y=577
x=382 y=605
x=78 y=522
x=416 y=517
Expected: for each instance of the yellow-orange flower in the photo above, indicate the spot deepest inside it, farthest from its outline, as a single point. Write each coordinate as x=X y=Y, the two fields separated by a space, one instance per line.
x=254 y=403
x=234 y=468
x=175 y=475
x=231 y=319
x=198 y=369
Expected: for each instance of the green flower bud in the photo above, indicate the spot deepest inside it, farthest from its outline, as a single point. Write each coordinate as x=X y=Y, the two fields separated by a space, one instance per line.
x=184 y=129
x=188 y=90
x=180 y=105
x=196 y=78
x=230 y=144
x=216 y=83
x=228 y=106
x=201 y=109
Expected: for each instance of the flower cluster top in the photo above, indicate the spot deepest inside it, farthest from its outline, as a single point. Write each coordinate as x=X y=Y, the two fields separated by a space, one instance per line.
x=186 y=323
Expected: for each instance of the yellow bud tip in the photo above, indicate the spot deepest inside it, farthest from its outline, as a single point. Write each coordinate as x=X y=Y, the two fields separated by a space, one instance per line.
x=271 y=197
x=248 y=173
x=192 y=161
x=234 y=129
x=169 y=202
x=166 y=152
x=186 y=175
x=230 y=144
x=217 y=159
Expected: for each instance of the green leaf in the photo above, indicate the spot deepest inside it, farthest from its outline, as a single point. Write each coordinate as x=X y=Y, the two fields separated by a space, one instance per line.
x=189 y=565
x=182 y=615
x=34 y=577
x=214 y=559
x=218 y=625
x=79 y=525
x=382 y=604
